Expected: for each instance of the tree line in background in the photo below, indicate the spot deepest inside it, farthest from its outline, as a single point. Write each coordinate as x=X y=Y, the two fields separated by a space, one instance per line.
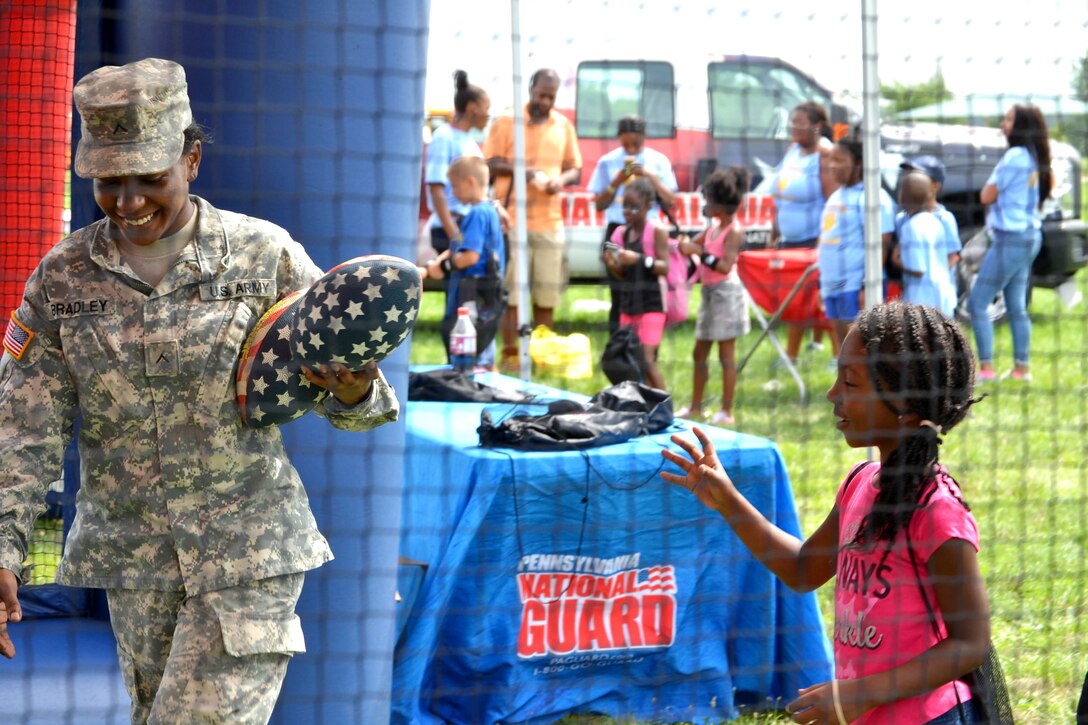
x=1073 y=129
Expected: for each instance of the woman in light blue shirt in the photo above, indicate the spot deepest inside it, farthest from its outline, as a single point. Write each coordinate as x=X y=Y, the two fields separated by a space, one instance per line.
x=472 y=110
x=801 y=185
x=1016 y=190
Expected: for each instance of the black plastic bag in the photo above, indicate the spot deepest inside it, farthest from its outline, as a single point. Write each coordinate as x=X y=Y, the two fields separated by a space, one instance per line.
x=622 y=356
x=639 y=397
x=614 y=415
x=456 y=386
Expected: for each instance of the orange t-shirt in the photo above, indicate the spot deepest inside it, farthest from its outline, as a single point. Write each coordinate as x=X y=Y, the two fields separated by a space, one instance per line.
x=551 y=147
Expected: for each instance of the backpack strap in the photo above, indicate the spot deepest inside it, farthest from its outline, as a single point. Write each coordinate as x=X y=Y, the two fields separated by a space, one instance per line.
x=858 y=468
x=675 y=231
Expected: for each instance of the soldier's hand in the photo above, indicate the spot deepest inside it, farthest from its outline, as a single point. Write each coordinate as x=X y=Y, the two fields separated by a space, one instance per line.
x=10 y=611
x=349 y=387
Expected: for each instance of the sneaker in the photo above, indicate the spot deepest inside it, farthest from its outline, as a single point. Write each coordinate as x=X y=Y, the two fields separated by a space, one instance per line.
x=685 y=412
x=722 y=418
x=815 y=346
x=1015 y=374
x=986 y=376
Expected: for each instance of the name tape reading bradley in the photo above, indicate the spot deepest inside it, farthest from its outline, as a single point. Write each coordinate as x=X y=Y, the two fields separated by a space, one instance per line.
x=80 y=308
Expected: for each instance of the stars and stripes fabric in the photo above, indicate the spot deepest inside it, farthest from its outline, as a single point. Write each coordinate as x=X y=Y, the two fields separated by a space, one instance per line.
x=271 y=386
x=17 y=337
x=358 y=312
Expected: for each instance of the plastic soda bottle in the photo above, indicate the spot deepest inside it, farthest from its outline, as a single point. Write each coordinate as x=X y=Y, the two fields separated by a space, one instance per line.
x=463 y=341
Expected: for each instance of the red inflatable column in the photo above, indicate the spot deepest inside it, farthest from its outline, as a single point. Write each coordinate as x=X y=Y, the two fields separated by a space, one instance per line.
x=36 y=66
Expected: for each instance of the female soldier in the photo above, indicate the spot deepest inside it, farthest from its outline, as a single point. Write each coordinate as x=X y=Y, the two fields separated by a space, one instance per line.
x=197 y=527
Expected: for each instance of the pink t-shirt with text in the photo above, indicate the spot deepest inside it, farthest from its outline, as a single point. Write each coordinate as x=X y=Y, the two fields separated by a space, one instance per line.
x=880 y=619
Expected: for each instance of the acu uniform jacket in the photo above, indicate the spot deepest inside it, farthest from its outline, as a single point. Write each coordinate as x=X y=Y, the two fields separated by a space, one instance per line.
x=175 y=491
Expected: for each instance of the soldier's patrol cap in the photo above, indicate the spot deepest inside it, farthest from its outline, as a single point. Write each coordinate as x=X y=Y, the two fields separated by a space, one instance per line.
x=133 y=118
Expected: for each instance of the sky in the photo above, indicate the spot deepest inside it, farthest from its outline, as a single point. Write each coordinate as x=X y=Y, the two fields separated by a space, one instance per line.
x=981 y=47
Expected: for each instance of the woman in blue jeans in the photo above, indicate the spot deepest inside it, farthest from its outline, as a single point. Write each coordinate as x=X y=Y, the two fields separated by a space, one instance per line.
x=1015 y=191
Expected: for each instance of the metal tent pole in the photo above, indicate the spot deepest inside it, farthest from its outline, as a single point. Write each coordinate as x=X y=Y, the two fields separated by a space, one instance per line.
x=520 y=238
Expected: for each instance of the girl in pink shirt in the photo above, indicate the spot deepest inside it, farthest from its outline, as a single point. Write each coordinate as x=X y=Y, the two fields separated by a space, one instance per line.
x=911 y=615
x=638 y=259
x=723 y=311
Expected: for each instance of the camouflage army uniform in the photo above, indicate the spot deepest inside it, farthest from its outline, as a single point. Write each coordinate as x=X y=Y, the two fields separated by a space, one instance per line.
x=177 y=496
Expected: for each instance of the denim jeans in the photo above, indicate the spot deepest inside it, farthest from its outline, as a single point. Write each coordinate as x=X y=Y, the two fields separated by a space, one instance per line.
x=1006 y=268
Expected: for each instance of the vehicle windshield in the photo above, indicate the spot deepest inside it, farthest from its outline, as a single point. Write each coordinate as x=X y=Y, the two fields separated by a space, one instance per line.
x=608 y=91
x=753 y=98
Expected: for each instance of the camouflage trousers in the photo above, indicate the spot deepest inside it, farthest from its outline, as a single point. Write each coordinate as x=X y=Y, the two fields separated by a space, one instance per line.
x=219 y=657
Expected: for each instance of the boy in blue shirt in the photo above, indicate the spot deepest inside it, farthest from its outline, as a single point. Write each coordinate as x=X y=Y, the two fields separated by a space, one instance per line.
x=476 y=259
x=933 y=168
x=922 y=252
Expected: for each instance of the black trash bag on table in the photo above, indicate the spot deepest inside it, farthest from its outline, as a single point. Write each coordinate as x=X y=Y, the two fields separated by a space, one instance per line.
x=634 y=396
x=614 y=415
x=455 y=386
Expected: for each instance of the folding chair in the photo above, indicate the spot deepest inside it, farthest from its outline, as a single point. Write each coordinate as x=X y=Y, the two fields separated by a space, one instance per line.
x=783 y=283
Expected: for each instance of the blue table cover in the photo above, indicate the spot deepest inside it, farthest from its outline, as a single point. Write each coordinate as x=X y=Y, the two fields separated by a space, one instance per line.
x=577 y=582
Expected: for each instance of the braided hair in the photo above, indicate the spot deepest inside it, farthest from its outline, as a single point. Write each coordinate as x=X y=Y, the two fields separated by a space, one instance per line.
x=920 y=357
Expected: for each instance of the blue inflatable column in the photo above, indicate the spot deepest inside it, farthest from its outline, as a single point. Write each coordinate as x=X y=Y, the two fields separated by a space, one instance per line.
x=316 y=111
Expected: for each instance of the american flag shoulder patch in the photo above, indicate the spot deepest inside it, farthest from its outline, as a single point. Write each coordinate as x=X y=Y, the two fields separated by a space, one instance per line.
x=17 y=338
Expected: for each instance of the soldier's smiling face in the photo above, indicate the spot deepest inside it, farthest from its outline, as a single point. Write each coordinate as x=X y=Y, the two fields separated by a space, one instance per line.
x=144 y=209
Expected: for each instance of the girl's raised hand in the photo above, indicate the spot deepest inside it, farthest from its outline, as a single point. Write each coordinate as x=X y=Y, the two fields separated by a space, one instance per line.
x=704 y=475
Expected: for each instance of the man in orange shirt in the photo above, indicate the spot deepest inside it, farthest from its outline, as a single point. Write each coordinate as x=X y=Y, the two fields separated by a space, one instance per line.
x=552 y=161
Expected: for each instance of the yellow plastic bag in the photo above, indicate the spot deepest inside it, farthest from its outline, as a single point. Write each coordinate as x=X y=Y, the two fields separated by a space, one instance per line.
x=568 y=356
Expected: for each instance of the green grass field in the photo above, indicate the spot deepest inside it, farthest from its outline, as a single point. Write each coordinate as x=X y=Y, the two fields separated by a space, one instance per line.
x=1020 y=458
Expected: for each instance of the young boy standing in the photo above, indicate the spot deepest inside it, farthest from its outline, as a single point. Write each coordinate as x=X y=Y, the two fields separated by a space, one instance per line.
x=476 y=259
x=933 y=168
x=923 y=256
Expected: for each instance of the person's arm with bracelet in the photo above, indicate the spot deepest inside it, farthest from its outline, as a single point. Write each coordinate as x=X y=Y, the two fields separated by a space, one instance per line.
x=660 y=261
x=731 y=249
x=604 y=199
